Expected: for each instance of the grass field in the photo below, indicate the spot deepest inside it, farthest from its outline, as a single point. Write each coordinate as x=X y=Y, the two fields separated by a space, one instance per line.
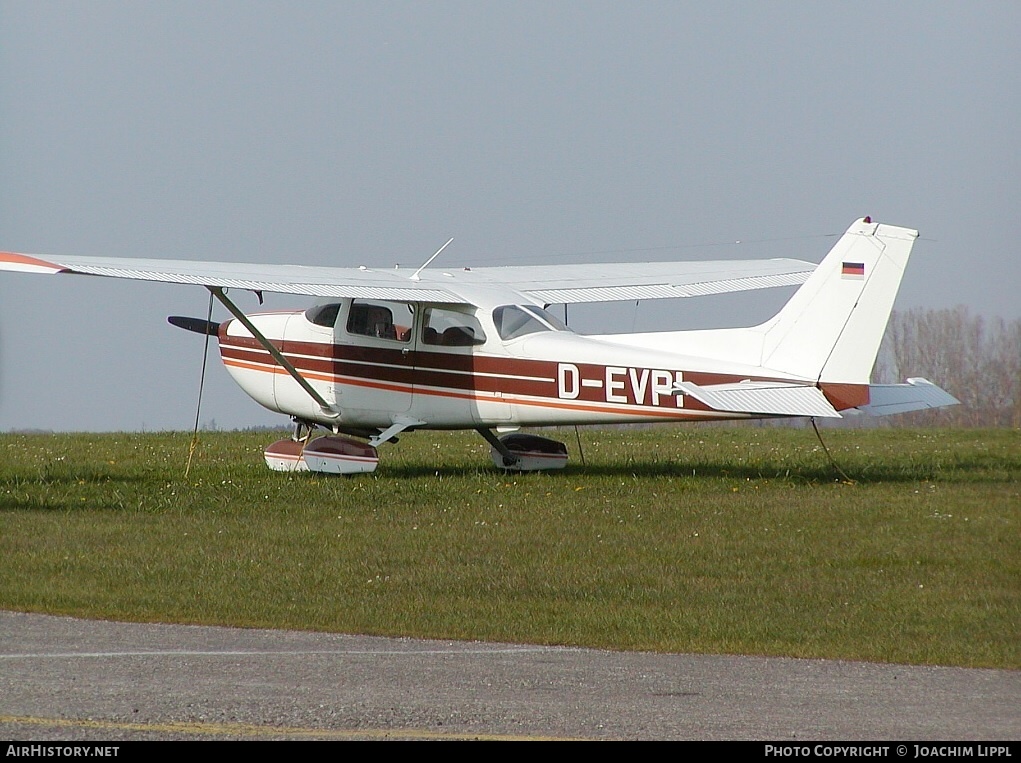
x=684 y=539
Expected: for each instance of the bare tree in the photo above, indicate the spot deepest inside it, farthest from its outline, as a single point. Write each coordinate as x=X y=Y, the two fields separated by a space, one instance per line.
x=976 y=360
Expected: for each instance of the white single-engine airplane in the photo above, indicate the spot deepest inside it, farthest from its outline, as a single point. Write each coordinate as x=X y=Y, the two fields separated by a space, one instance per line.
x=388 y=351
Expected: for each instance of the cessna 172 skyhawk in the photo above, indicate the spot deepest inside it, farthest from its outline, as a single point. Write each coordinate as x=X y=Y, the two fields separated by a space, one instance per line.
x=395 y=350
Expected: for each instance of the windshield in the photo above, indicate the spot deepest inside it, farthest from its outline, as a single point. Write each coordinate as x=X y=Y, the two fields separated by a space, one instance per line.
x=323 y=315
x=513 y=321
x=547 y=317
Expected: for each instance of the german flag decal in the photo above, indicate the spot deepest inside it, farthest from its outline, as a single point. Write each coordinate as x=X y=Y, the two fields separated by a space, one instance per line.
x=852 y=270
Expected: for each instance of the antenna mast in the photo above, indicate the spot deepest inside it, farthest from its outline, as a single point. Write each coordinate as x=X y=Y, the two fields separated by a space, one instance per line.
x=415 y=277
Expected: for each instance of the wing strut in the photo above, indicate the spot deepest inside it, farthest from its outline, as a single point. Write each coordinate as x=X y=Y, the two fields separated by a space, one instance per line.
x=328 y=409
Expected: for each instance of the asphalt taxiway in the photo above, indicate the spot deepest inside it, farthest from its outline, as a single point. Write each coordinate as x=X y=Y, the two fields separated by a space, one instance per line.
x=68 y=679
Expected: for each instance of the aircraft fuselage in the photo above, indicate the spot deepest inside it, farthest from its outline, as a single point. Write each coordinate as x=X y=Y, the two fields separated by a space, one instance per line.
x=455 y=367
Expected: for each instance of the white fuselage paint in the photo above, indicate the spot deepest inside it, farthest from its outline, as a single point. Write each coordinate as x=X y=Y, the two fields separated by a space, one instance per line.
x=545 y=378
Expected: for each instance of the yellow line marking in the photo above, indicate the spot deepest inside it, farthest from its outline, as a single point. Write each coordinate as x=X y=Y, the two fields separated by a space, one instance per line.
x=250 y=730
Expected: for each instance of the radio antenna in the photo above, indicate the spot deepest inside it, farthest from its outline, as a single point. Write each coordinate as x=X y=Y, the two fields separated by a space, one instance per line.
x=415 y=276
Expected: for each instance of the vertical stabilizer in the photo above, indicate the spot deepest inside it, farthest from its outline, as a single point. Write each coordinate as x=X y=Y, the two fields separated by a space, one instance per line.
x=831 y=328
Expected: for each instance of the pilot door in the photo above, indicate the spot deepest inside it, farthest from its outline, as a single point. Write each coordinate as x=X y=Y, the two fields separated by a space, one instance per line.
x=452 y=389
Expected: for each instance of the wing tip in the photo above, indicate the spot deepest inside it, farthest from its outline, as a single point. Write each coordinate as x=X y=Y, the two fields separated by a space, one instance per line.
x=26 y=263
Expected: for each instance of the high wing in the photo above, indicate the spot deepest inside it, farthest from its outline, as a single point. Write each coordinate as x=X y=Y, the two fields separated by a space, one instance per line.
x=550 y=284
x=609 y=282
x=285 y=279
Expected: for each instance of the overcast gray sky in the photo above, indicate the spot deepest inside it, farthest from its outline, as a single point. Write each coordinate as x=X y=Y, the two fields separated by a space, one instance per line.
x=368 y=133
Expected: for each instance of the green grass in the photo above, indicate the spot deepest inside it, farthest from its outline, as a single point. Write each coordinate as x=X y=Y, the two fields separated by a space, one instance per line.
x=685 y=539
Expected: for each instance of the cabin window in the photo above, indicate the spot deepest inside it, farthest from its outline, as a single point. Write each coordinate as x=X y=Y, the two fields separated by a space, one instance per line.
x=450 y=328
x=513 y=321
x=323 y=315
x=380 y=319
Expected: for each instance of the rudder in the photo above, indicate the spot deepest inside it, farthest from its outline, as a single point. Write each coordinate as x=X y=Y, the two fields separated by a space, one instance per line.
x=831 y=329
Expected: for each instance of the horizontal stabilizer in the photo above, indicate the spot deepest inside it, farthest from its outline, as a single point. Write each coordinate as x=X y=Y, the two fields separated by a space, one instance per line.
x=763 y=398
x=916 y=395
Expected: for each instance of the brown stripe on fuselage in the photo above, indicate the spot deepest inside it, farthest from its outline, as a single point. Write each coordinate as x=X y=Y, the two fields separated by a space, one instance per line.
x=611 y=409
x=450 y=374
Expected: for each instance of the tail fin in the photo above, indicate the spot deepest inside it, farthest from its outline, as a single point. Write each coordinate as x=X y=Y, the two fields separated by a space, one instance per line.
x=831 y=328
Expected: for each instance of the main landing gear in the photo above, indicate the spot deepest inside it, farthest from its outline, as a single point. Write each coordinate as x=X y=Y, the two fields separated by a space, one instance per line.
x=525 y=452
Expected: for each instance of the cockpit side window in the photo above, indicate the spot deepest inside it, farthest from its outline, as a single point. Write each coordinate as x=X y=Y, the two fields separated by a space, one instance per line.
x=383 y=320
x=451 y=328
